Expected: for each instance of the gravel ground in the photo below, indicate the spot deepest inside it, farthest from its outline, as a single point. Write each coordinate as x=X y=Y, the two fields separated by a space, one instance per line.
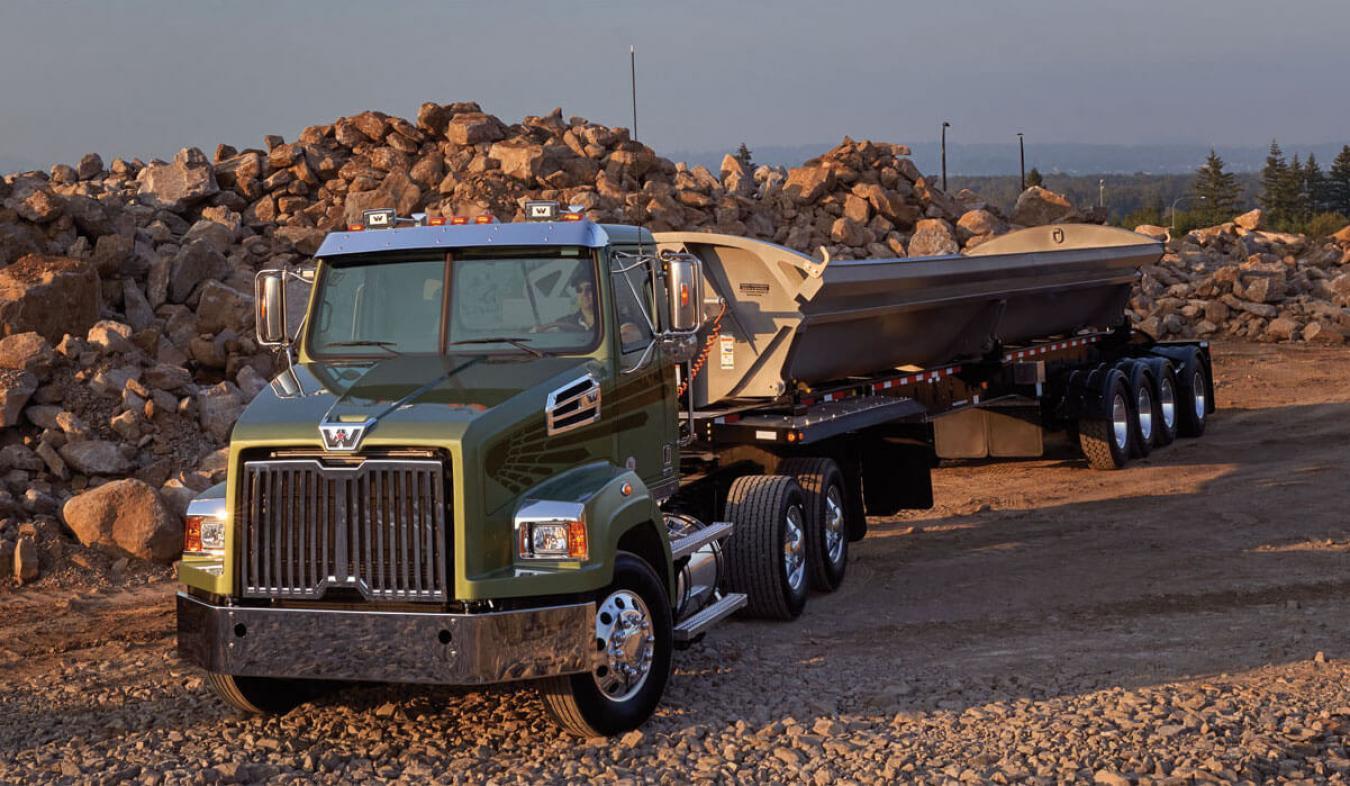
x=1182 y=621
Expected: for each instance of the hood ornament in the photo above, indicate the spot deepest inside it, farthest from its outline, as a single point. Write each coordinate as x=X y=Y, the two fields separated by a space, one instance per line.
x=344 y=437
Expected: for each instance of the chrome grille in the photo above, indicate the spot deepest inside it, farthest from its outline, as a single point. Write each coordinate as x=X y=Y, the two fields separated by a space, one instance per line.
x=378 y=527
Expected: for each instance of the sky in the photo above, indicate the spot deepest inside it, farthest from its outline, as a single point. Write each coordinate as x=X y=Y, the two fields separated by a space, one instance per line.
x=142 y=79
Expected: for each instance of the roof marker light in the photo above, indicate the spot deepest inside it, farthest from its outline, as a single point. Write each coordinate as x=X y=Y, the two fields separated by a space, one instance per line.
x=570 y=217
x=383 y=218
x=459 y=221
x=355 y=227
x=486 y=218
x=435 y=221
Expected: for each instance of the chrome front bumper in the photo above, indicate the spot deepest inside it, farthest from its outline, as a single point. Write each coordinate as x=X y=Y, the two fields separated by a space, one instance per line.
x=380 y=646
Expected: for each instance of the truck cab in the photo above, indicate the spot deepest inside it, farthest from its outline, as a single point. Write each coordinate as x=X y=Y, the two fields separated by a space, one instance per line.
x=457 y=477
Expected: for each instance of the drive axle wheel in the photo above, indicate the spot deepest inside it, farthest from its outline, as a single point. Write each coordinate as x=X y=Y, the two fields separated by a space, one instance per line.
x=263 y=695
x=633 y=643
x=766 y=553
x=822 y=485
x=1107 y=442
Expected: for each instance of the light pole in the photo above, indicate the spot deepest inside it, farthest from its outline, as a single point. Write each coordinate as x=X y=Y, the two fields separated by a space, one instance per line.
x=1101 y=192
x=945 y=126
x=1178 y=201
x=1022 y=157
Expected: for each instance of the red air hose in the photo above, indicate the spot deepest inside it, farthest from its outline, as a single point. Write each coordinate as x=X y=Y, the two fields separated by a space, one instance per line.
x=707 y=349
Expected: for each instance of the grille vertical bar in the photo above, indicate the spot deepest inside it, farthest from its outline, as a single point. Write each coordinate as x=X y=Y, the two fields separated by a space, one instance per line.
x=378 y=527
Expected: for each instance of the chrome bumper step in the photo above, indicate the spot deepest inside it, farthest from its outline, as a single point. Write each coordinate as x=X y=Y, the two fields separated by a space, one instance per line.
x=690 y=629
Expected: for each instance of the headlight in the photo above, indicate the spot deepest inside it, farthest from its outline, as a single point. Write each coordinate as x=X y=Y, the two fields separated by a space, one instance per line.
x=546 y=529
x=204 y=528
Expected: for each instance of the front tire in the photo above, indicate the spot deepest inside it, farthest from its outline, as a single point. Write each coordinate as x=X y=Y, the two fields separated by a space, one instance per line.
x=262 y=695
x=766 y=554
x=822 y=485
x=634 y=640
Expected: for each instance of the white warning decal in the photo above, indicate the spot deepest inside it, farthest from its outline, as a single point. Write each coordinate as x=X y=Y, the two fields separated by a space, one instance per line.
x=727 y=345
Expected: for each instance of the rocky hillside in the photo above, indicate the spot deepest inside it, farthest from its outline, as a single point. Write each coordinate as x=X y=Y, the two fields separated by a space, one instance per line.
x=126 y=288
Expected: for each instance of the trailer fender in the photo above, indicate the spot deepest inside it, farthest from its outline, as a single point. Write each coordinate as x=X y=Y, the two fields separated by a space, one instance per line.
x=1087 y=393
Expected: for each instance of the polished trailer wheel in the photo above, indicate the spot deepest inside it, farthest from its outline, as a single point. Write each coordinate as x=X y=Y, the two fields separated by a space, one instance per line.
x=1108 y=442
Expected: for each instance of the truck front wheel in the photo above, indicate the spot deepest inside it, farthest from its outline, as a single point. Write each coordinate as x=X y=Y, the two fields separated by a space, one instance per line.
x=633 y=642
x=263 y=695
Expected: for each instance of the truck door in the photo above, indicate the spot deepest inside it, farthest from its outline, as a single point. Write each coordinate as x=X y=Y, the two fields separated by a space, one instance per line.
x=644 y=400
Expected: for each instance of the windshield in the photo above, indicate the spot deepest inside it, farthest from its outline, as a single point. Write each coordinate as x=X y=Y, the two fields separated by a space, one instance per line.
x=535 y=301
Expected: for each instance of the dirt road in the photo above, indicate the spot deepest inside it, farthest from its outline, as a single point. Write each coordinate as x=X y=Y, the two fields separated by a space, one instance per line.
x=1044 y=623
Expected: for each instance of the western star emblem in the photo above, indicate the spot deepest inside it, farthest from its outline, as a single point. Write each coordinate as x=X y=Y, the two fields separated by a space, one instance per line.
x=343 y=436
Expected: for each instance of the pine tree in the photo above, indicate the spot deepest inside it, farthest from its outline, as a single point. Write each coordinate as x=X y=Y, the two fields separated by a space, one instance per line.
x=1279 y=187
x=1296 y=186
x=1315 y=186
x=1217 y=191
x=743 y=156
x=1338 y=183
x=1034 y=178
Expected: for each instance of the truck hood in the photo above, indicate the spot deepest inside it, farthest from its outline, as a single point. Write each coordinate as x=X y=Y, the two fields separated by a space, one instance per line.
x=403 y=395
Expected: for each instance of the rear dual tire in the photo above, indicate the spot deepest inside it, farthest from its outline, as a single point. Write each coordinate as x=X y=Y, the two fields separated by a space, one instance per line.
x=766 y=555
x=1108 y=442
x=827 y=539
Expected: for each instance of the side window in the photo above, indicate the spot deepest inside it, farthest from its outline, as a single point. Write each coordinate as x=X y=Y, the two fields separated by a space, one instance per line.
x=633 y=309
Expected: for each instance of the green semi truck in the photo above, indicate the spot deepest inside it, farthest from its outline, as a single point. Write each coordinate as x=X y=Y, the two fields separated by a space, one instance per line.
x=558 y=451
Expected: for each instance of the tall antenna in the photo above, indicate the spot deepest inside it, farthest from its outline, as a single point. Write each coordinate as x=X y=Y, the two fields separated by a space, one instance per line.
x=632 y=79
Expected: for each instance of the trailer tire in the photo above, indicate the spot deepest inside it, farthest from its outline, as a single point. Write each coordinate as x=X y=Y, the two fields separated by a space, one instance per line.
x=1107 y=442
x=766 y=553
x=1165 y=399
x=1143 y=409
x=580 y=703
x=827 y=534
x=1193 y=405
x=263 y=695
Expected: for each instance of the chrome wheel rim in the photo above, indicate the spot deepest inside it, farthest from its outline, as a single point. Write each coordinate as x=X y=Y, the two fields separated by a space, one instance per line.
x=834 y=525
x=1167 y=398
x=794 y=548
x=626 y=644
x=1120 y=421
x=1145 y=402
x=1198 y=394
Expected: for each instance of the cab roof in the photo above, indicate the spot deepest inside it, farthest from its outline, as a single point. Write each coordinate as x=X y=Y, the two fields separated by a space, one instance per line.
x=529 y=233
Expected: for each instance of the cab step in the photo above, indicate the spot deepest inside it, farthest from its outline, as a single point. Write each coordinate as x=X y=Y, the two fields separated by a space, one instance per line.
x=683 y=547
x=690 y=629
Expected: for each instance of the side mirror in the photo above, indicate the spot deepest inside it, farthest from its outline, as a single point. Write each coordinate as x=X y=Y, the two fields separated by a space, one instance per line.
x=269 y=297
x=684 y=287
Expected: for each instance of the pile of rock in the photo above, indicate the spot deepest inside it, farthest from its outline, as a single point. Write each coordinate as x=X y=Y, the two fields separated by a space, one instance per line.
x=1238 y=279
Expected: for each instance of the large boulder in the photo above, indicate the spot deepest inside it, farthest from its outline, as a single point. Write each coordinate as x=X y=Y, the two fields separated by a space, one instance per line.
x=933 y=237
x=472 y=128
x=809 y=183
x=187 y=181
x=126 y=517
x=95 y=457
x=194 y=263
x=27 y=352
x=1039 y=206
x=223 y=307
x=16 y=387
x=218 y=407
x=396 y=191
x=19 y=239
x=51 y=296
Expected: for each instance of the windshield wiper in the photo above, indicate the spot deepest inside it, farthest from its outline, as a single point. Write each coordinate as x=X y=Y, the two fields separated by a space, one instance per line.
x=515 y=341
x=387 y=346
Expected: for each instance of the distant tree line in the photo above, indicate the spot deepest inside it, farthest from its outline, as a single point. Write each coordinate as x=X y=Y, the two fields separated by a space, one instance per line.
x=1297 y=195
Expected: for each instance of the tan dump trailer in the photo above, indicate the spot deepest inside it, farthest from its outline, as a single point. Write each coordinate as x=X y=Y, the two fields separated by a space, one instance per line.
x=791 y=318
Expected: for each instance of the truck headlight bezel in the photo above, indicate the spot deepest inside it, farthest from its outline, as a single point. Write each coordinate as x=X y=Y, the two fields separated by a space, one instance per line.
x=204 y=528
x=551 y=530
